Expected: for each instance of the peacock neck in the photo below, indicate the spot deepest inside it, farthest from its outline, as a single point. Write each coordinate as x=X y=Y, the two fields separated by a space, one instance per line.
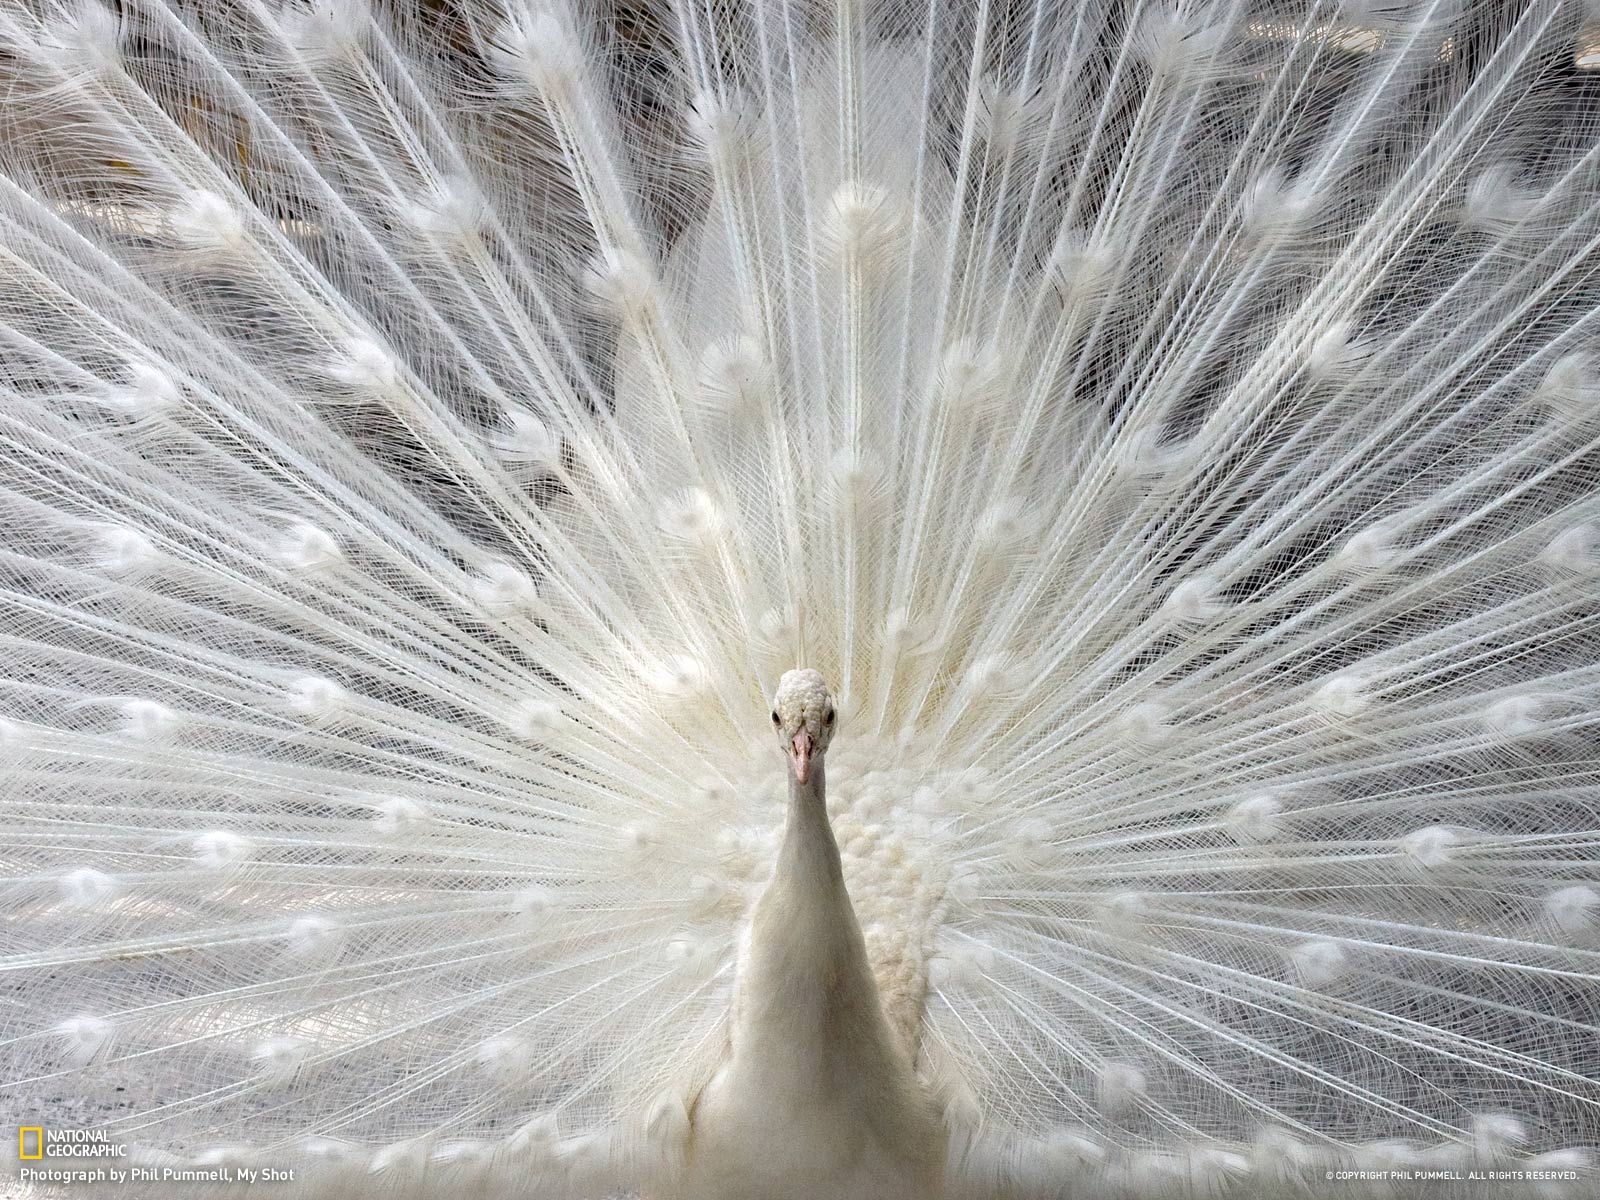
x=808 y=892
x=804 y=980
x=809 y=852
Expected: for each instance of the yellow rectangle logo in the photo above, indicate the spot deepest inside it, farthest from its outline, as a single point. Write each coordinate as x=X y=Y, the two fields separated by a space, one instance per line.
x=38 y=1141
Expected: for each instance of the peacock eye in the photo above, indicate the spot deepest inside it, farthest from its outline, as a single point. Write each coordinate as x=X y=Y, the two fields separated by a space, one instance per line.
x=775 y=717
x=828 y=720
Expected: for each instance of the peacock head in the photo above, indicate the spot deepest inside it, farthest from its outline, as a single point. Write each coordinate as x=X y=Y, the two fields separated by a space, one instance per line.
x=804 y=716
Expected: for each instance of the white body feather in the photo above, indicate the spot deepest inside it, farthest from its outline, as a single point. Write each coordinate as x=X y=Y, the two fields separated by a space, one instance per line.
x=428 y=431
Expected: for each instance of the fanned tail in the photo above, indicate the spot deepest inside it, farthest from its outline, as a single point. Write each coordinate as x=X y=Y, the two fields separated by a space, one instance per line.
x=430 y=430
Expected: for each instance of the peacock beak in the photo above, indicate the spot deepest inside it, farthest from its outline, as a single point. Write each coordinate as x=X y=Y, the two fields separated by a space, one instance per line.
x=800 y=756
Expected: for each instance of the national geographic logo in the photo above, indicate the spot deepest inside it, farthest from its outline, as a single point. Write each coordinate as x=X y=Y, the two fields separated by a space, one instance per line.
x=36 y=1143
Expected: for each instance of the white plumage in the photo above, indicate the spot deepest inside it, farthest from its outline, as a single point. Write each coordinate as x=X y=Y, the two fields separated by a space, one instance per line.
x=1170 y=427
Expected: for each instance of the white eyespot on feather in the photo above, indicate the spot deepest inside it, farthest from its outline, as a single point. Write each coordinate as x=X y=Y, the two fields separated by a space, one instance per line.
x=1318 y=962
x=1275 y=208
x=303 y=546
x=972 y=378
x=1368 y=551
x=535 y=720
x=330 y=1154
x=1432 y=847
x=1574 y=910
x=325 y=30
x=1005 y=527
x=1140 y=453
x=366 y=367
x=1031 y=842
x=1570 y=390
x=84 y=1039
x=855 y=483
x=1148 y=724
x=1119 y=1087
x=1497 y=201
x=709 y=895
x=692 y=956
x=148 y=720
x=280 y=1059
x=86 y=888
x=399 y=816
x=1123 y=914
x=862 y=224
x=222 y=850
x=1336 y=352
x=1496 y=1136
x=525 y=441
x=1279 y=1157
x=740 y=851
x=723 y=128
x=148 y=392
x=227 y=1157
x=464 y=1158
x=527 y=906
x=501 y=590
x=123 y=550
x=626 y=283
x=81 y=39
x=996 y=674
x=537 y=49
x=1214 y=1170
x=736 y=379
x=1514 y=717
x=694 y=516
x=906 y=633
x=1080 y=264
x=1255 y=819
x=778 y=628
x=1065 y=1150
x=313 y=939
x=534 y=1141
x=1176 y=46
x=639 y=839
x=402 y=1165
x=451 y=211
x=508 y=1057
x=316 y=699
x=716 y=792
x=1574 y=551
x=1006 y=120
x=680 y=676
x=207 y=223
x=1342 y=697
x=1195 y=601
